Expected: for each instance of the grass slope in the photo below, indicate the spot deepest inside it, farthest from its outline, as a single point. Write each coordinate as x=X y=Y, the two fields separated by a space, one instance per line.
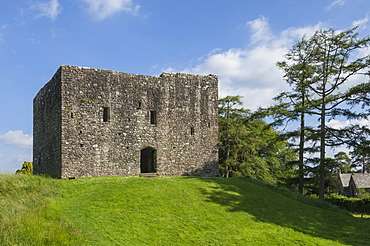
x=30 y=214
x=166 y=211
x=202 y=211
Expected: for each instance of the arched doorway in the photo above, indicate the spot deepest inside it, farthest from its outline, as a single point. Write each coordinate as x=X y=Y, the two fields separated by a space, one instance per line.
x=148 y=160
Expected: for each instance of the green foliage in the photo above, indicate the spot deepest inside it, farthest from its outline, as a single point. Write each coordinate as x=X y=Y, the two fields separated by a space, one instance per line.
x=342 y=162
x=27 y=168
x=361 y=154
x=317 y=68
x=250 y=147
x=353 y=205
x=333 y=166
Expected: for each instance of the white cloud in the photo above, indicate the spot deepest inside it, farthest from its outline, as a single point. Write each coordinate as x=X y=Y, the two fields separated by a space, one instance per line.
x=13 y=159
x=101 y=9
x=16 y=148
x=361 y=23
x=261 y=30
x=335 y=3
x=50 y=9
x=337 y=124
x=16 y=138
x=251 y=71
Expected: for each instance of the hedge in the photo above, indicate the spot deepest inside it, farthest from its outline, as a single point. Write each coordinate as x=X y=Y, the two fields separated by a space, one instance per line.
x=353 y=205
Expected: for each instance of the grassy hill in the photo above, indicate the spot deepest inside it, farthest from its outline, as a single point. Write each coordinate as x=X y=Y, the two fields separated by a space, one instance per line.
x=167 y=211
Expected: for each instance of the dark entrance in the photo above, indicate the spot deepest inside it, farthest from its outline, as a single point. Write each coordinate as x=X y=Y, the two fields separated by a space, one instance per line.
x=148 y=160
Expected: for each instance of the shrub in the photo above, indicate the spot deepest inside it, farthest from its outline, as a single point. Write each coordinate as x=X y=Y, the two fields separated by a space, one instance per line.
x=27 y=168
x=353 y=205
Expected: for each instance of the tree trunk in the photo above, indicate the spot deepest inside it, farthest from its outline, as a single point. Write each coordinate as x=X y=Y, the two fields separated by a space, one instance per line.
x=227 y=165
x=301 y=146
x=301 y=153
x=322 y=152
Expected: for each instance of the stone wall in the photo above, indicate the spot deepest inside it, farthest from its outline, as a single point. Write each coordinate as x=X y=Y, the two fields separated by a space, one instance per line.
x=107 y=118
x=47 y=128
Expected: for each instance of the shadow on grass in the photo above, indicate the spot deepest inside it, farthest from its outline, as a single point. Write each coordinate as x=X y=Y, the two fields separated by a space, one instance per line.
x=270 y=206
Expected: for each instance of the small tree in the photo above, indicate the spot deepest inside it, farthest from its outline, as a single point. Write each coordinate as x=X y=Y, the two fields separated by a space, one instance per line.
x=230 y=128
x=342 y=162
x=250 y=147
x=361 y=155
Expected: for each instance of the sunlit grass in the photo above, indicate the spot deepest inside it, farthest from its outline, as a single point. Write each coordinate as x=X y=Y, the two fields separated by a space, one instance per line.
x=167 y=211
x=201 y=211
x=365 y=216
x=29 y=214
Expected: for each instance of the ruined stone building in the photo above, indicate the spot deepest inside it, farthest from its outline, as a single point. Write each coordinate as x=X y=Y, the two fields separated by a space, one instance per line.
x=91 y=122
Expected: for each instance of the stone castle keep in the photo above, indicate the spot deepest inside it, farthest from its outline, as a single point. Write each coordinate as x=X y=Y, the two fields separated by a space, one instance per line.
x=91 y=122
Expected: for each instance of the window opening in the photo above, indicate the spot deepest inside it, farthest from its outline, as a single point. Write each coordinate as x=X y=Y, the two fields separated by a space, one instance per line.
x=139 y=105
x=72 y=115
x=191 y=130
x=153 y=117
x=106 y=115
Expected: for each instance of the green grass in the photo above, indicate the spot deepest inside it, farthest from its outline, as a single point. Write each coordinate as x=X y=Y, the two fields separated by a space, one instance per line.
x=196 y=211
x=29 y=214
x=182 y=211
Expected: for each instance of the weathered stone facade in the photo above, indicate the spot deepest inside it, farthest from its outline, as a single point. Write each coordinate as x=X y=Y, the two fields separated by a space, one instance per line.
x=92 y=122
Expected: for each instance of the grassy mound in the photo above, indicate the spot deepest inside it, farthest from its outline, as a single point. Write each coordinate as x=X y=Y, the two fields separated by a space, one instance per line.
x=166 y=211
x=202 y=211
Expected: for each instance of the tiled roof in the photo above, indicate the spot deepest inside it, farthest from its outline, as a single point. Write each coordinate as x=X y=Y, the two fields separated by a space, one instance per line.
x=344 y=179
x=361 y=180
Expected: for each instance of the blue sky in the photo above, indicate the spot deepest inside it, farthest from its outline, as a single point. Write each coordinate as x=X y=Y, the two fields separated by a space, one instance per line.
x=238 y=40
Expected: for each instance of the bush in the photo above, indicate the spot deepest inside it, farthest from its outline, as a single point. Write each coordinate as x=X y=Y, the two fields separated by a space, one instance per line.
x=353 y=205
x=27 y=168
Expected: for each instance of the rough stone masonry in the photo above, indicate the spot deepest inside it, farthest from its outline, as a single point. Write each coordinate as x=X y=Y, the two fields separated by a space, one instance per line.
x=92 y=122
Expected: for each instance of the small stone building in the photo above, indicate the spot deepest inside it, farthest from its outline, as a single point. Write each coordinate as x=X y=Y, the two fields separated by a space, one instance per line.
x=92 y=122
x=359 y=183
x=353 y=184
x=343 y=184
